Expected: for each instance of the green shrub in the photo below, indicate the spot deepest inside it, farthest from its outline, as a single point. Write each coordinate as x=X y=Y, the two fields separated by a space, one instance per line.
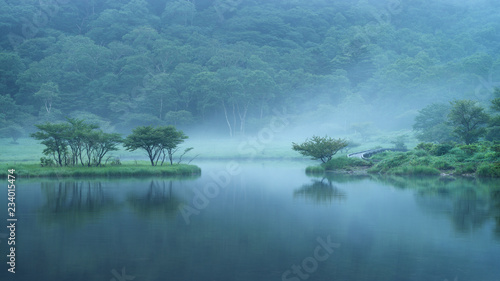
x=459 y=153
x=421 y=153
x=489 y=170
x=416 y=171
x=344 y=163
x=465 y=168
x=398 y=160
x=441 y=149
x=47 y=162
x=426 y=161
x=315 y=170
x=495 y=148
x=469 y=149
x=442 y=165
x=425 y=146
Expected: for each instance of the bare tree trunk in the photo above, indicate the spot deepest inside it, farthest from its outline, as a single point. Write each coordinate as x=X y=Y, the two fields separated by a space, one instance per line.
x=243 y=116
x=234 y=115
x=227 y=119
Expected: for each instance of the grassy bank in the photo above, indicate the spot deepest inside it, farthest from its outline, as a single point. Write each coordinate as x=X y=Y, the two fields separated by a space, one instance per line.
x=127 y=169
x=481 y=160
x=341 y=164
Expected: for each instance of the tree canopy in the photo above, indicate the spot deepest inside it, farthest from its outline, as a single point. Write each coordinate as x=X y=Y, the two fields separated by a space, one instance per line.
x=75 y=142
x=320 y=148
x=143 y=62
x=468 y=120
x=157 y=142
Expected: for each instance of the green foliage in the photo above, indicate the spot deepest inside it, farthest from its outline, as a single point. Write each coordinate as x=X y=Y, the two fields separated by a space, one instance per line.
x=76 y=142
x=470 y=149
x=425 y=146
x=494 y=124
x=468 y=120
x=436 y=149
x=320 y=148
x=48 y=93
x=405 y=164
x=124 y=170
x=224 y=63
x=489 y=170
x=443 y=165
x=54 y=137
x=415 y=171
x=158 y=142
x=47 y=162
x=315 y=170
x=133 y=62
x=430 y=123
x=465 y=169
x=344 y=163
x=399 y=143
x=441 y=149
x=179 y=118
x=481 y=159
x=421 y=153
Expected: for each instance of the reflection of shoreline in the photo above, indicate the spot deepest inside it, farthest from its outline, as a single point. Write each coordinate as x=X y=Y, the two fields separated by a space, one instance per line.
x=467 y=210
x=78 y=202
x=471 y=202
x=320 y=191
x=158 y=200
x=74 y=203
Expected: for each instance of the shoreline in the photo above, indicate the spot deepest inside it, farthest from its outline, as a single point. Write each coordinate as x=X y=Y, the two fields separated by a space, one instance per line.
x=27 y=171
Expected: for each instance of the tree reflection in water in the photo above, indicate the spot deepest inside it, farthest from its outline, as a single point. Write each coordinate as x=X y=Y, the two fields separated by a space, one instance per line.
x=320 y=191
x=73 y=203
x=158 y=200
x=495 y=207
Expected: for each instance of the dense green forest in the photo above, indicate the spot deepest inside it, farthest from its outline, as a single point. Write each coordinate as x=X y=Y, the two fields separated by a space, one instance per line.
x=228 y=65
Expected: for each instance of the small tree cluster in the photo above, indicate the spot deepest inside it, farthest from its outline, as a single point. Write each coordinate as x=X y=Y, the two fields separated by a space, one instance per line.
x=76 y=142
x=463 y=120
x=320 y=148
x=158 y=142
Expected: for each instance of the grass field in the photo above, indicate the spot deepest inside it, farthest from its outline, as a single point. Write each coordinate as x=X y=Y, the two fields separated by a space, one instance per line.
x=128 y=169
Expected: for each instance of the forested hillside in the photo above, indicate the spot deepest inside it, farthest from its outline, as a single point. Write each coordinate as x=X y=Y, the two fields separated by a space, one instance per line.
x=226 y=64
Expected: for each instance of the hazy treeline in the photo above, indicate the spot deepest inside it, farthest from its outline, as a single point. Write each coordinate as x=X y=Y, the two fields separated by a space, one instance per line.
x=228 y=63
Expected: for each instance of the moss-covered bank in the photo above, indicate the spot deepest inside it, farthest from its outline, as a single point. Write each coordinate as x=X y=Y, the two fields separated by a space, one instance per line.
x=480 y=159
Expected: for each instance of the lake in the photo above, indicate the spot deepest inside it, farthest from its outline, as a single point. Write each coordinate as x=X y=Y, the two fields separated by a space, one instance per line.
x=255 y=221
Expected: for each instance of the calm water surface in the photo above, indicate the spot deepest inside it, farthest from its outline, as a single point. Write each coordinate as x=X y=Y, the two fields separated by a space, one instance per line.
x=266 y=221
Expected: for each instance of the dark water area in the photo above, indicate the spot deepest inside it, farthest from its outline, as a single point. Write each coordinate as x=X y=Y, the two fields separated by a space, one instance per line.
x=255 y=221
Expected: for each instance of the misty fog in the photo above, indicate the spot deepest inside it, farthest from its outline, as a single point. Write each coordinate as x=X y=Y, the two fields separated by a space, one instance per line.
x=221 y=69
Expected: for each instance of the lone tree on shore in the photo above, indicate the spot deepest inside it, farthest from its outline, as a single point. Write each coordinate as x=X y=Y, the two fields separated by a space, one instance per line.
x=468 y=120
x=322 y=148
x=158 y=142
